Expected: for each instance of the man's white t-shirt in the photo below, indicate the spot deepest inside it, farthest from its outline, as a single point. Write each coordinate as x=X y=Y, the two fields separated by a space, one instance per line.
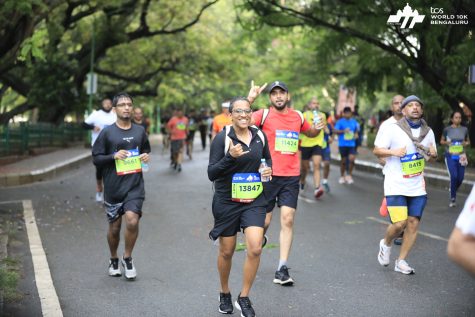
x=396 y=182
x=385 y=123
x=466 y=220
x=101 y=119
x=383 y=126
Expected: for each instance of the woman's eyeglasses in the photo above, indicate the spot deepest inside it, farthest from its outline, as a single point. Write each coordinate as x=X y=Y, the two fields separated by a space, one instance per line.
x=241 y=111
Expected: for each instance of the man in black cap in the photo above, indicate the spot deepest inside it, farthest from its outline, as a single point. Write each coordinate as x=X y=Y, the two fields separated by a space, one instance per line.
x=405 y=146
x=282 y=125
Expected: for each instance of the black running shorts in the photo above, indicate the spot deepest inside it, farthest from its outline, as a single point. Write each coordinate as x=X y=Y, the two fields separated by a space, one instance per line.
x=115 y=211
x=282 y=189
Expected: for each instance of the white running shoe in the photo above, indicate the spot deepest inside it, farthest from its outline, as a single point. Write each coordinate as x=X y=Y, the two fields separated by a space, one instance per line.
x=114 y=269
x=99 y=197
x=341 y=180
x=129 y=268
x=384 y=253
x=349 y=179
x=403 y=267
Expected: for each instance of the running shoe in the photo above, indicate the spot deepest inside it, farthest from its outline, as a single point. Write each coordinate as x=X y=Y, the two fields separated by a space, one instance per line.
x=114 y=269
x=326 y=187
x=225 y=303
x=403 y=267
x=245 y=306
x=383 y=209
x=398 y=241
x=318 y=192
x=129 y=269
x=452 y=203
x=349 y=179
x=264 y=240
x=342 y=180
x=384 y=253
x=99 y=197
x=178 y=168
x=282 y=277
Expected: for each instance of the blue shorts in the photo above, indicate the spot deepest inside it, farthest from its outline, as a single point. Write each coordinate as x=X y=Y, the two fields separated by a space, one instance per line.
x=282 y=189
x=115 y=211
x=400 y=207
x=326 y=154
x=345 y=151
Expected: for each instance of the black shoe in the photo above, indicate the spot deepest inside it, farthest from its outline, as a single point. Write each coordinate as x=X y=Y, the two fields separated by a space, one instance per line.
x=225 y=303
x=245 y=306
x=282 y=277
x=398 y=240
x=179 y=168
x=264 y=240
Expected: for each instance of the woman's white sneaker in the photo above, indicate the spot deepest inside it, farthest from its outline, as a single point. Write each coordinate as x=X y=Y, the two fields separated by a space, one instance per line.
x=384 y=253
x=403 y=267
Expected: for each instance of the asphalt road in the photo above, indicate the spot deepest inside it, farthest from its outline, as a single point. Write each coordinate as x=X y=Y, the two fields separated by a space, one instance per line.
x=333 y=259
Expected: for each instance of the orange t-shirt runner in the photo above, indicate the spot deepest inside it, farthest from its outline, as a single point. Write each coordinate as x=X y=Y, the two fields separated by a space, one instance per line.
x=177 y=127
x=282 y=131
x=220 y=121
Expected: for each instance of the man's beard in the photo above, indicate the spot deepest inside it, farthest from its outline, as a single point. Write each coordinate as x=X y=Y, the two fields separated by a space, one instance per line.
x=105 y=110
x=279 y=107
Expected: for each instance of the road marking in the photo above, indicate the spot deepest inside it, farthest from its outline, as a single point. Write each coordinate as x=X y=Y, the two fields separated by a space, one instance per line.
x=310 y=201
x=44 y=283
x=429 y=235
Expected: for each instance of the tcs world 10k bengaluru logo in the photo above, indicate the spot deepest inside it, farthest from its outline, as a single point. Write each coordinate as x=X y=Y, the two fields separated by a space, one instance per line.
x=408 y=15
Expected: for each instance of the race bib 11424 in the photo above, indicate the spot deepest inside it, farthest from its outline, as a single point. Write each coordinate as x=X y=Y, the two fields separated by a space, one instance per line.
x=286 y=142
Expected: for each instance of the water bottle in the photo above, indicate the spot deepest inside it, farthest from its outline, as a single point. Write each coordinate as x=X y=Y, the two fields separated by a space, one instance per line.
x=145 y=166
x=261 y=168
x=316 y=117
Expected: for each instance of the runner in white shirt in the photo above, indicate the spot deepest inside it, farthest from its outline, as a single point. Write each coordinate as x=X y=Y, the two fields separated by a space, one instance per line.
x=404 y=185
x=97 y=121
x=461 y=247
x=397 y=115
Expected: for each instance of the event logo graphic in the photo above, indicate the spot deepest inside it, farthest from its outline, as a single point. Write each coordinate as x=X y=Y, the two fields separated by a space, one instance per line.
x=407 y=14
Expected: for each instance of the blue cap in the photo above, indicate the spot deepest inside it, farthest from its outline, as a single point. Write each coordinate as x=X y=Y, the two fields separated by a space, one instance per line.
x=278 y=84
x=409 y=99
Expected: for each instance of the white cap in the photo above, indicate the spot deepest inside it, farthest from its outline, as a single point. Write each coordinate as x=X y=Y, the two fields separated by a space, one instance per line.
x=225 y=104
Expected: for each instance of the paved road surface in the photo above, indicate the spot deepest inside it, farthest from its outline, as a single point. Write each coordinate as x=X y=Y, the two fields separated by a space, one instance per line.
x=333 y=260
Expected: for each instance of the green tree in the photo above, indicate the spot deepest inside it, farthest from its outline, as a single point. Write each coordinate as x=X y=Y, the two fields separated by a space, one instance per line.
x=438 y=56
x=48 y=62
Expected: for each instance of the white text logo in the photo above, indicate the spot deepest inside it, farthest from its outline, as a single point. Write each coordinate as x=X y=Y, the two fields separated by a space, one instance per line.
x=407 y=14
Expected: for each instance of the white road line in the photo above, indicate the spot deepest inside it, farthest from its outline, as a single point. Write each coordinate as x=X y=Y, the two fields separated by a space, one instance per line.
x=44 y=283
x=429 y=235
x=310 y=201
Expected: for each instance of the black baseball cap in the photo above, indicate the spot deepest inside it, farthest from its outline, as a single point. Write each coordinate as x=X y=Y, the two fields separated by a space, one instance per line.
x=278 y=84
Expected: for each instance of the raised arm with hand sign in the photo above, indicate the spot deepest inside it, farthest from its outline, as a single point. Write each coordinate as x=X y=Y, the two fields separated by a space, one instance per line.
x=235 y=150
x=255 y=91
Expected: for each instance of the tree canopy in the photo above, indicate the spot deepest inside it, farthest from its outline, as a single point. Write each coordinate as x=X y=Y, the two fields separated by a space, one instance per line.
x=169 y=53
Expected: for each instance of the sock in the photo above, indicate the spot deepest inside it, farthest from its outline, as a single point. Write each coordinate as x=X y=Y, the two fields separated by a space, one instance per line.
x=281 y=263
x=325 y=181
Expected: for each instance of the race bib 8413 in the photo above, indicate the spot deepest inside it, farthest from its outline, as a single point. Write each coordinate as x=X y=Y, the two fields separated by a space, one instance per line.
x=412 y=165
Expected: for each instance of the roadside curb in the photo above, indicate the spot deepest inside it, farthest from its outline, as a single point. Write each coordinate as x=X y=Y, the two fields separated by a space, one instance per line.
x=16 y=179
x=431 y=179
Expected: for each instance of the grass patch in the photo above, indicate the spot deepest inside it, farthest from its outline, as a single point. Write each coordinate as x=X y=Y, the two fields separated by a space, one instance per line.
x=242 y=246
x=9 y=277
